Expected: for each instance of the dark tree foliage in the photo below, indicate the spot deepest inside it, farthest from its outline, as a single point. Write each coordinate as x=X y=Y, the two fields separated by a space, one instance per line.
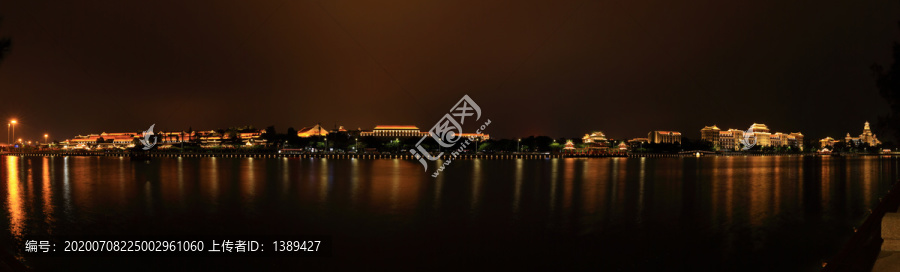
x=888 y=83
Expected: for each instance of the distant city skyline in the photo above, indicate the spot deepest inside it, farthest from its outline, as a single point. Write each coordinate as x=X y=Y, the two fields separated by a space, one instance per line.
x=306 y=129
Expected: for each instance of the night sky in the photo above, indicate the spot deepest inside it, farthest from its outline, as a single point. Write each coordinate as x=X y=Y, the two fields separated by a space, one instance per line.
x=535 y=68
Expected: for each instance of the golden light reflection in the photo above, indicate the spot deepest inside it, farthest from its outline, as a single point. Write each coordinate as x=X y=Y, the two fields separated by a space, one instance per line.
x=729 y=192
x=354 y=181
x=14 y=198
x=642 y=179
x=777 y=176
x=715 y=193
x=615 y=199
x=395 y=184
x=476 y=186
x=395 y=187
x=594 y=185
x=798 y=186
x=248 y=180
x=212 y=181
x=324 y=180
x=867 y=181
x=181 y=196
x=67 y=186
x=517 y=195
x=553 y=181
x=568 y=178
x=439 y=187
x=46 y=192
x=826 y=182
x=285 y=168
x=760 y=190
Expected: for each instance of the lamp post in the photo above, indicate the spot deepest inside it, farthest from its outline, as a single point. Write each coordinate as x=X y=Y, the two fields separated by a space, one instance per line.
x=13 y=122
x=517 y=145
x=356 y=144
x=45 y=138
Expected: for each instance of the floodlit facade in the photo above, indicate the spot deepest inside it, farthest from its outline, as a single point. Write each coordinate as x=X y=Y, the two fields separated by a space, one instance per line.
x=732 y=139
x=710 y=134
x=393 y=131
x=119 y=140
x=595 y=140
x=664 y=137
x=866 y=137
x=388 y=131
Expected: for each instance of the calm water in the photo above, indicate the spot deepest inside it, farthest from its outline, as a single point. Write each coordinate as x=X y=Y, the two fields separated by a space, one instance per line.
x=711 y=213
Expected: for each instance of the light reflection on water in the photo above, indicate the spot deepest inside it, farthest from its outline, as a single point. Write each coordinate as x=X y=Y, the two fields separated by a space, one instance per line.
x=14 y=199
x=617 y=213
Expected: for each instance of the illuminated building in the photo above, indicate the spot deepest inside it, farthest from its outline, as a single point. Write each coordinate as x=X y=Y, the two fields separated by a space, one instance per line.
x=761 y=134
x=637 y=142
x=596 y=141
x=109 y=140
x=866 y=137
x=797 y=139
x=316 y=130
x=827 y=141
x=164 y=139
x=569 y=145
x=710 y=134
x=662 y=136
x=730 y=139
x=778 y=139
x=391 y=131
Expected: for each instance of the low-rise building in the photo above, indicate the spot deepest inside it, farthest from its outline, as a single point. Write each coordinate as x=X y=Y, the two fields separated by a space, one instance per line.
x=394 y=131
x=664 y=136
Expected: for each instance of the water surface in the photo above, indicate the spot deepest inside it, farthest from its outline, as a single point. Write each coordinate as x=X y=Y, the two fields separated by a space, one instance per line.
x=710 y=213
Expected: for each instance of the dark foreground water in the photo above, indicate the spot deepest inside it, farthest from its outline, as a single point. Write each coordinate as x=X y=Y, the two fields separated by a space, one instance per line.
x=604 y=214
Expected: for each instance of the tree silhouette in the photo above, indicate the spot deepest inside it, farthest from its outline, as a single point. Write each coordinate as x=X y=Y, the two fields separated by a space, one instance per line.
x=888 y=83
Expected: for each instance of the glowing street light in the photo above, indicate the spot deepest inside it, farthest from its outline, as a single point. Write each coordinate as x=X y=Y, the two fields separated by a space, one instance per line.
x=13 y=122
x=45 y=138
x=517 y=144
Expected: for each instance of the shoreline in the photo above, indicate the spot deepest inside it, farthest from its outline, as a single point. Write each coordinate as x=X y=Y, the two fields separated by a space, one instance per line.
x=411 y=157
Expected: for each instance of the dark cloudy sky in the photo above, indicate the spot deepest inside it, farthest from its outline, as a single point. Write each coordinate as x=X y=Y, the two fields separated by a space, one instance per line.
x=535 y=67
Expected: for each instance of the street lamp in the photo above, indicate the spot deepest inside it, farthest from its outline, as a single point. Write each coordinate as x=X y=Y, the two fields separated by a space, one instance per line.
x=517 y=145
x=45 y=138
x=13 y=122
